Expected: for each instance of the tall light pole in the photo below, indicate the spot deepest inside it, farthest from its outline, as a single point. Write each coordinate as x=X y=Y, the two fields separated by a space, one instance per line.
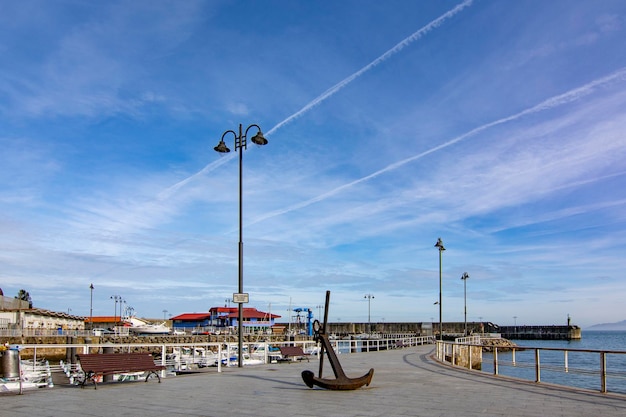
x=241 y=144
x=439 y=245
x=91 y=307
x=464 y=277
x=369 y=318
x=117 y=298
x=121 y=301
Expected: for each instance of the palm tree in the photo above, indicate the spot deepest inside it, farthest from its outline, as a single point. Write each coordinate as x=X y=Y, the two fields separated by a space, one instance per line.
x=25 y=296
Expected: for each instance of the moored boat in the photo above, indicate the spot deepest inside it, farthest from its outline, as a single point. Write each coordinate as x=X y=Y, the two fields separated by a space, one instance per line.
x=140 y=326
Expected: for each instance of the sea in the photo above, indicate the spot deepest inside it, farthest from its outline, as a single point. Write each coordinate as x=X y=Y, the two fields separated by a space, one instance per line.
x=583 y=370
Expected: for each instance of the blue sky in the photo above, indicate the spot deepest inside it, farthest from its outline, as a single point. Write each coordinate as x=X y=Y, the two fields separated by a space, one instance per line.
x=497 y=126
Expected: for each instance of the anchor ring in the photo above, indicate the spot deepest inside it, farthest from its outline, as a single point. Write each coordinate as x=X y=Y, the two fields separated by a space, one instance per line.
x=317 y=326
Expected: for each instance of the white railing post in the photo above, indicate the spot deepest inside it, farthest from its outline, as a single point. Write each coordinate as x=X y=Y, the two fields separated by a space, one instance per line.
x=495 y=360
x=537 y=366
x=453 y=356
x=219 y=358
x=603 y=371
x=163 y=357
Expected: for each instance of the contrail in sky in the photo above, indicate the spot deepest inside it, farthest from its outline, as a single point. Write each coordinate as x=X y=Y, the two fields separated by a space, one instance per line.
x=399 y=47
x=167 y=193
x=330 y=92
x=556 y=101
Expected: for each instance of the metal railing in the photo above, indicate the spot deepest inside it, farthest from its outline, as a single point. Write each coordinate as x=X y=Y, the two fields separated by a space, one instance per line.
x=581 y=368
x=166 y=350
x=185 y=356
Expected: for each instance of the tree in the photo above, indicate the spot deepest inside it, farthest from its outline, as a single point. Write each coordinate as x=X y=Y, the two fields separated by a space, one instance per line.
x=25 y=296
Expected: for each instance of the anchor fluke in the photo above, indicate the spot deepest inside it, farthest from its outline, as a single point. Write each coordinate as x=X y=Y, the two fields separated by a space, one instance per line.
x=344 y=384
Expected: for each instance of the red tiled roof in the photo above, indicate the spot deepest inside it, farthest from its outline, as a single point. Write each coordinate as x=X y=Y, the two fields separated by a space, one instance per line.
x=256 y=314
x=248 y=313
x=192 y=316
x=104 y=319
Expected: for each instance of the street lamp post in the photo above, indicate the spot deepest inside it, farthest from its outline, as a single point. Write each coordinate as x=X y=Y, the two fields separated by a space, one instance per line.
x=369 y=304
x=464 y=277
x=117 y=298
x=91 y=307
x=240 y=144
x=121 y=301
x=439 y=245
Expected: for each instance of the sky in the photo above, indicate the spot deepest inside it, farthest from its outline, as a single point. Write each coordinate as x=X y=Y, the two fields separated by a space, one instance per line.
x=499 y=127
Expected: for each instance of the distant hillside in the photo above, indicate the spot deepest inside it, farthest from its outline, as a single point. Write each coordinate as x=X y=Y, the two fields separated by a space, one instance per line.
x=620 y=325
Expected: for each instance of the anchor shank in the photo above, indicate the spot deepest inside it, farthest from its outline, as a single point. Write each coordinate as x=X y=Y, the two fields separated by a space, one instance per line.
x=324 y=332
x=332 y=357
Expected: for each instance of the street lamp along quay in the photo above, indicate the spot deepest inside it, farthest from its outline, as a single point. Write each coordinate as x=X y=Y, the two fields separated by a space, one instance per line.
x=91 y=287
x=464 y=277
x=439 y=245
x=118 y=299
x=240 y=144
x=369 y=317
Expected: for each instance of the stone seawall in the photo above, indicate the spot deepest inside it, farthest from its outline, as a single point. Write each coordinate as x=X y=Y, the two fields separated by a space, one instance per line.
x=61 y=353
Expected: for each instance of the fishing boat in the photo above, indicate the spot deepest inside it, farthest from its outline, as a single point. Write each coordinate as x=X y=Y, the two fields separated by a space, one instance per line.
x=139 y=326
x=185 y=358
x=233 y=360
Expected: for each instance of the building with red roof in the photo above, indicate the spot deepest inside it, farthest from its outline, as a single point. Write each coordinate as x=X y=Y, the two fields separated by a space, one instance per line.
x=225 y=319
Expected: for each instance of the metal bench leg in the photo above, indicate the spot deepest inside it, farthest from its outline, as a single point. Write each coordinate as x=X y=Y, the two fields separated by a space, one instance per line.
x=155 y=374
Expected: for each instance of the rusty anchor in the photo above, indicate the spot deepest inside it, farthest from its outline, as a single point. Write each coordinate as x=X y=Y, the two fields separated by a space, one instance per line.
x=341 y=381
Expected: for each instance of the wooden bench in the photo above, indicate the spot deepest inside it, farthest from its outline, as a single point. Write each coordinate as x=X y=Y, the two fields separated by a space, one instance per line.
x=293 y=353
x=95 y=366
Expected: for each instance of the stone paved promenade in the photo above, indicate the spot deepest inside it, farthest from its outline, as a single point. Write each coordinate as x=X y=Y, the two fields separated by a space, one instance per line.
x=406 y=383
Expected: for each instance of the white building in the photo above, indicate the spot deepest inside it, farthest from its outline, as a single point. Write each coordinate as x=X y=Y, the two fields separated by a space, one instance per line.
x=16 y=319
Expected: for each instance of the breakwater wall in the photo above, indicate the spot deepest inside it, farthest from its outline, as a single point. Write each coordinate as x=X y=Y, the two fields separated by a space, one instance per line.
x=417 y=328
x=452 y=330
x=541 y=332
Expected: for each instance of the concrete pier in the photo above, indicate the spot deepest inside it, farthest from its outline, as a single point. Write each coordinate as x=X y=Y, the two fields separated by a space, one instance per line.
x=541 y=332
x=407 y=382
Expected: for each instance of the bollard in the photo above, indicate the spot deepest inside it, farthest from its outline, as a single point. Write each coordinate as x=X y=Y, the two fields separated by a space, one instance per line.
x=108 y=378
x=70 y=352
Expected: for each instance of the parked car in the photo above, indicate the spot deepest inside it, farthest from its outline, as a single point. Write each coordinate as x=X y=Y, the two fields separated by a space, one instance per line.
x=100 y=331
x=178 y=332
x=200 y=331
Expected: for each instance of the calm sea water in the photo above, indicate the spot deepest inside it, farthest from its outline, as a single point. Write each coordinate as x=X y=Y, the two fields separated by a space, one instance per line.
x=583 y=368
